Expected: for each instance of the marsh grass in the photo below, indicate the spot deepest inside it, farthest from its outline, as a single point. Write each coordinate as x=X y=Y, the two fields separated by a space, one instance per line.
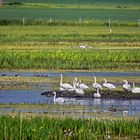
x=83 y=34
x=80 y=59
x=67 y=128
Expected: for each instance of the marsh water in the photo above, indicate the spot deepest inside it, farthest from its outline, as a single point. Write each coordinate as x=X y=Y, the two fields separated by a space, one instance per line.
x=71 y=74
x=102 y=105
x=33 y=96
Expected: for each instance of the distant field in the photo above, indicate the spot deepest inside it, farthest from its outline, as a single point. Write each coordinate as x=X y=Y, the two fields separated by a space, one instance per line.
x=70 y=14
x=80 y=1
x=19 y=34
x=126 y=11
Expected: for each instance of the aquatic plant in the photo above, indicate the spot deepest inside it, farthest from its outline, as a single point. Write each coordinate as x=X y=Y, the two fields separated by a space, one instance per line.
x=23 y=128
x=69 y=59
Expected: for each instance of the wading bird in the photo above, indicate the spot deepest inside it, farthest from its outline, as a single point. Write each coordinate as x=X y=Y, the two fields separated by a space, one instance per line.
x=57 y=100
x=97 y=94
x=65 y=86
x=78 y=90
x=126 y=86
x=108 y=85
x=95 y=84
x=135 y=89
x=80 y=85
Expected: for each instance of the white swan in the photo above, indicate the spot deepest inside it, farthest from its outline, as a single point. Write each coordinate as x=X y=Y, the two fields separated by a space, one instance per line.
x=61 y=89
x=58 y=100
x=76 y=82
x=108 y=85
x=97 y=94
x=77 y=90
x=80 y=85
x=135 y=89
x=126 y=86
x=65 y=86
x=95 y=84
x=83 y=47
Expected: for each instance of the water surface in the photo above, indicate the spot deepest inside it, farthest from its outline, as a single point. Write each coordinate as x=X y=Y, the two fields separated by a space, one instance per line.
x=102 y=105
x=70 y=73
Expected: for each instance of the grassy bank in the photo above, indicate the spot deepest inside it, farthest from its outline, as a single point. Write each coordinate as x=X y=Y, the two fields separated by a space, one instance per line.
x=45 y=128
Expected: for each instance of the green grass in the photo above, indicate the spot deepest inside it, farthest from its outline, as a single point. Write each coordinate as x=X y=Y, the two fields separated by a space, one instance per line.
x=126 y=2
x=96 y=12
x=111 y=59
x=60 y=46
x=54 y=129
x=19 y=34
x=96 y=5
x=100 y=15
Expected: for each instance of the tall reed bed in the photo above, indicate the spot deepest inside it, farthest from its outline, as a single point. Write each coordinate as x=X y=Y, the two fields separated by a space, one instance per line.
x=76 y=59
x=18 y=128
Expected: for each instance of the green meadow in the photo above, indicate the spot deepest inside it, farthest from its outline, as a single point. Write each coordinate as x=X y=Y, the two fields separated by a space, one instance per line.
x=69 y=34
x=36 y=46
x=53 y=31
x=124 y=12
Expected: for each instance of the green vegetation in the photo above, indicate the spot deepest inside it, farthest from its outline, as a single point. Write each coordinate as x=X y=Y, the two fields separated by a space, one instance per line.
x=92 y=59
x=54 y=129
x=135 y=2
x=94 y=12
x=60 y=46
x=68 y=16
x=69 y=34
x=62 y=26
x=52 y=31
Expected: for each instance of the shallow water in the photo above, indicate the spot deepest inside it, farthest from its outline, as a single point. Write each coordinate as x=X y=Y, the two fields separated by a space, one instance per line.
x=71 y=74
x=102 y=105
x=90 y=105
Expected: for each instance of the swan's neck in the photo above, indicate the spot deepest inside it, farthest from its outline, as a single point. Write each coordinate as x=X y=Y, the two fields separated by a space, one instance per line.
x=94 y=79
x=74 y=84
x=133 y=85
x=126 y=83
x=105 y=81
x=54 y=97
x=61 y=80
x=98 y=90
x=75 y=79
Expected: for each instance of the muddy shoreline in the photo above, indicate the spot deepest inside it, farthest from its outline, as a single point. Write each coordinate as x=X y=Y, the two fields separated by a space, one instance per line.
x=89 y=94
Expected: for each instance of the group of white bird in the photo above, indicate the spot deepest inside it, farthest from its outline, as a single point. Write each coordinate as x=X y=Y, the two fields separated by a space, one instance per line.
x=79 y=87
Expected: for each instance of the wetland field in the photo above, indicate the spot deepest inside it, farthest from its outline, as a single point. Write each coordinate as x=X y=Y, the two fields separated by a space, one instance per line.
x=39 y=40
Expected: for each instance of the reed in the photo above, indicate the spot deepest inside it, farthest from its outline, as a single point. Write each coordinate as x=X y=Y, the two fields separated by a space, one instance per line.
x=70 y=59
x=66 y=128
